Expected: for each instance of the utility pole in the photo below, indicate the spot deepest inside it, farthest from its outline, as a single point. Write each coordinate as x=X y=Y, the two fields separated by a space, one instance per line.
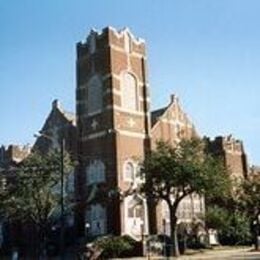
x=62 y=147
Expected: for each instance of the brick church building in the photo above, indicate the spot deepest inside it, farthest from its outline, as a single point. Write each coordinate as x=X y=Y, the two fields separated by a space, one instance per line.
x=111 y=133
x=115 y=131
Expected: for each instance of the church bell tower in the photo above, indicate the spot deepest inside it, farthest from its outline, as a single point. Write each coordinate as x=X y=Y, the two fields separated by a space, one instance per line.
x=113 y=121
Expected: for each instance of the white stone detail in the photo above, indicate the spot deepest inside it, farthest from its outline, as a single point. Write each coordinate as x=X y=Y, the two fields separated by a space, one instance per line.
x=122 y=109
x=94 y=135
x=125 y=31
x=122 y=50
x=92 y=42
x=127 y=43
x=131 y=122
x=136 y=216
x=132 y=134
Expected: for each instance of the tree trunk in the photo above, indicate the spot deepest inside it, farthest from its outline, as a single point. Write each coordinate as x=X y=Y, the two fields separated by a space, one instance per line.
x=175 y=250
x=257 y=247
x=256 y=244
x=256 y=232
x=42 y=242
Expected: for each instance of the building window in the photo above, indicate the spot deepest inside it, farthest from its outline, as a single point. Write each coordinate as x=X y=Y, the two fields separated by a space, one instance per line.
x=178 y=131
x=95 y=172
x=135 y=211
x=70 y=183
x=96 y=217
x=129 y=171
x=129 y=98
x=95 y=95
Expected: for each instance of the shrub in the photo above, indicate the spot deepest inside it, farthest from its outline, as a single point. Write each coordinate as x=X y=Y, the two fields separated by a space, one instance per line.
x=115 y=246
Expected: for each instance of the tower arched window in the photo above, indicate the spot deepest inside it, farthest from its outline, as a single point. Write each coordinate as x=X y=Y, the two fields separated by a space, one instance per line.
x=95 y=95
x=96 y=217
x=129 y=98
x=129 y=171
x=95 y=172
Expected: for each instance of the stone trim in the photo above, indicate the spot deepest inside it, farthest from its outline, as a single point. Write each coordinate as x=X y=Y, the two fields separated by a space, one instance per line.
x=122 y=50
x=94 y=135
x=120 y=109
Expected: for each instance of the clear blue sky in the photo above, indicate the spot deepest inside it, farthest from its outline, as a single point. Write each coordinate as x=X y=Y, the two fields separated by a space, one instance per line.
x=205 y=51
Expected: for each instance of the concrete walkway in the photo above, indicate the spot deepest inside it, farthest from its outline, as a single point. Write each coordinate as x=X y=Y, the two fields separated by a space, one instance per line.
x=228 y=253
x=223 y=254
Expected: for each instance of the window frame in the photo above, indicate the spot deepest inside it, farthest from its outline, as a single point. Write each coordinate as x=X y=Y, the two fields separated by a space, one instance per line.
x=125 y=96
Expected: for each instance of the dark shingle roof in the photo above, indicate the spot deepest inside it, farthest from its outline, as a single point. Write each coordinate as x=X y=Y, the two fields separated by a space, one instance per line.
x=156 y=114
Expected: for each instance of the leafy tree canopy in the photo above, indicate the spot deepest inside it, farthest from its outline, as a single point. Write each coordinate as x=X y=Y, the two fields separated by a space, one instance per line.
x=34 y=193
x=172 y=173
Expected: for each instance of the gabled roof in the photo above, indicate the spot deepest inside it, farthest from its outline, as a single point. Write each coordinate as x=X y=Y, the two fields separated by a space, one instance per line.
x=59 y=123
x=58 y=114
x=156 y=114
x=70 y=116
x=164 y=112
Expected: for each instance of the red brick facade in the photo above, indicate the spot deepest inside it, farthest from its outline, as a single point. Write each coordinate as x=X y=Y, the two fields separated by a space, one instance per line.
x=116 y=128
x=231 y=151
x=115 y=132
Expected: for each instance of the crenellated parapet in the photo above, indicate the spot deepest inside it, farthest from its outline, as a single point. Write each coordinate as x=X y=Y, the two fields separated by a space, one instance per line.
x=228 y=144
x=231 y=151
x=110 y=37
x=13 y=153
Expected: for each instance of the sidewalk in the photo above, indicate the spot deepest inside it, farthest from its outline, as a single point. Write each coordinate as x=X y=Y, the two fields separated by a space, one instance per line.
x=222 y=253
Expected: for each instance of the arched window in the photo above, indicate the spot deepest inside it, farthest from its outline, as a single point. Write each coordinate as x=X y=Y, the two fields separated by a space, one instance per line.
x=134 y=216
x=129 y=98
x=129 y=171
x=135 y=211
x=95 y=95
x=96 y=218
x=95 y=172
x=70 y=183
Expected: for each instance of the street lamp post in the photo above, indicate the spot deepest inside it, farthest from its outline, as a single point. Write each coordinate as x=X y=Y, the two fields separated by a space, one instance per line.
x=142 y=237
x=87 y=226
x=257 y=232
x=164 y=237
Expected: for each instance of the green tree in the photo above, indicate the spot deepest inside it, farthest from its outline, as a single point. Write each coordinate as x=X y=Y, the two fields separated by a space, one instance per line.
x=216 y=217
x=172 y=173
x=33 y=196
x=249 y=197
x=233 y=225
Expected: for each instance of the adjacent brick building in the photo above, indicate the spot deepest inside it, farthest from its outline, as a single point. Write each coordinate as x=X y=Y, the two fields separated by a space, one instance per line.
x=60 y=129
x=171 y=124
x=254 y=172
x=13 y=154
x=232 y=152
x=60 y=124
